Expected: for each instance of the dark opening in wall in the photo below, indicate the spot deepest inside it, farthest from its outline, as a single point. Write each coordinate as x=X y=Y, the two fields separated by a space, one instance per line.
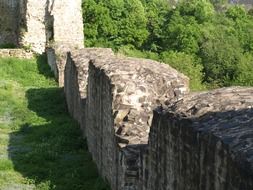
x=49 y=22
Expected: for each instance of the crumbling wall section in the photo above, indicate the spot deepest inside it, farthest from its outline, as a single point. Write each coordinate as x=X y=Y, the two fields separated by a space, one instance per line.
x=67 y=23
x=118 y=126
x=32 y=26
x=61 y=39
x=53 y=23
x=54 y=26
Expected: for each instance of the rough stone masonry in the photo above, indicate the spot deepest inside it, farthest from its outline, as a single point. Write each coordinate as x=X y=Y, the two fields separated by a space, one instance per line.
x=197 y=141
x=121 y=94
x=118 y=95
x=194 y=141
x=76 y=77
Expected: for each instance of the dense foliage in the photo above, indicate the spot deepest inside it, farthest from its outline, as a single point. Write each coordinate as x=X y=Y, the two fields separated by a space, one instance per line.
x=210 y=41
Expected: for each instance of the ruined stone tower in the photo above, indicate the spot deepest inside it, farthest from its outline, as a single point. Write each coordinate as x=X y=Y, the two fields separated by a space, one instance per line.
x=51 y=26
x=37 y=24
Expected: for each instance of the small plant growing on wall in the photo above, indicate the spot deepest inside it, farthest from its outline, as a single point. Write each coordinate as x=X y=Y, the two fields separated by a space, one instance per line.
x=22 y=32
x=27 y=47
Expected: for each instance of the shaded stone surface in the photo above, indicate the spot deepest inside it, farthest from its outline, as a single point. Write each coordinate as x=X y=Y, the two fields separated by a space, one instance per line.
x=204 y=141
x=76 y=76
x=197 y=141
x=112 y=97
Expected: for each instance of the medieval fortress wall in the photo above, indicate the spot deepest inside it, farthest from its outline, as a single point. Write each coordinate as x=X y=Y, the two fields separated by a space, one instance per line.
x=192 y=141
x=144 y=129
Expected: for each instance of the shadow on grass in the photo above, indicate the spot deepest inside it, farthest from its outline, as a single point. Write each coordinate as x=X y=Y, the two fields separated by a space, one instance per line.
x=43 y=67
x=50 y=151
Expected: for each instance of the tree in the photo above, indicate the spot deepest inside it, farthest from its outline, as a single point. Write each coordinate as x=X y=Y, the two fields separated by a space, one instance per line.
x=156 y=11
x=207 y=45
x=90 y=21
x=181 y=33
x=187 y=64
x=219 y=5
x=243 y=25
x=132 y=27
x=114 y=23
x=245 y=70
x=236 y=12
x=202 y=10
x=220 y=57
x=250 y=12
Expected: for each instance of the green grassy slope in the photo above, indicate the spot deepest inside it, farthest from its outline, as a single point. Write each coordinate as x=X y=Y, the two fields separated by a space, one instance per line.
x=40 y=145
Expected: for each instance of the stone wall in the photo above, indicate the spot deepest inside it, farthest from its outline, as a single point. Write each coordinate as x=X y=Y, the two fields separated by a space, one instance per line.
x=32 y=24
x=204 y=141
x=44 y=24
x=76 y=75
x=67 y=23
x=119 y=97
x=52 y=25
x=62 y=13
x=18 y=53
x=197 y=141
x=9 y=10
x=191 y=142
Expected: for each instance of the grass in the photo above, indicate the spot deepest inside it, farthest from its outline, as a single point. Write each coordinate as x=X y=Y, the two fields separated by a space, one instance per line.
x=41 y=147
